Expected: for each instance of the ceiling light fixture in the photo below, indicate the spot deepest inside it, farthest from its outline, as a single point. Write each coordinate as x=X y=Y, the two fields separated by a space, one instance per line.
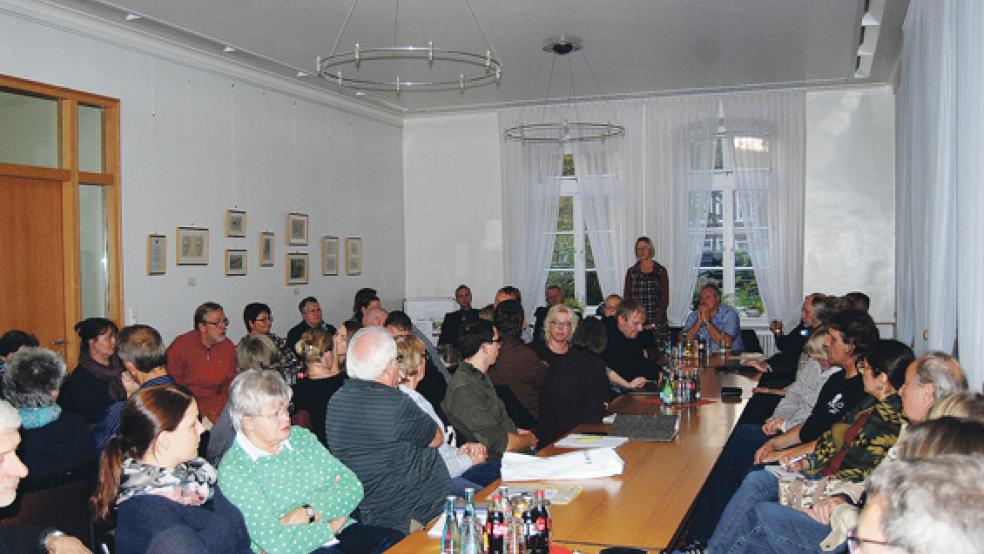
x=473 y=69
x=564 y=131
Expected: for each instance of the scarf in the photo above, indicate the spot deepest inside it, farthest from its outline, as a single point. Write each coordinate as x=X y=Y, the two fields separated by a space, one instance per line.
x=110 y=373
x=189 y=483
x=33 y=418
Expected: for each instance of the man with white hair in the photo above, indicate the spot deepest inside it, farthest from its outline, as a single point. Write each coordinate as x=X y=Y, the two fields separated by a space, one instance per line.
x=380 y=434
x=16 y=538
x=924 y=506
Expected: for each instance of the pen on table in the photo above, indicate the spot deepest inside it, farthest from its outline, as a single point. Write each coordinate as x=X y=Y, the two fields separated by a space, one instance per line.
x=589 y=438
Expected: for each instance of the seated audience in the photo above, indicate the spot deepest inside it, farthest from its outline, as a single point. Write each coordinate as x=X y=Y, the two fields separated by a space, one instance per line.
x=164 y=496
x=466 y=464
x=609 y=308
x=858 y=300
x=141 y=350
x=453 y=321
x=252 y=352
x=367 y=304
x=97 y=380
x=507 y=292
x=924 y=506
x=518 y=367
x=340 y=344
x=779 y=370
x=435 y=380
x=361 y=300
x=713 y=322
x=10 y=343
x=17 y=539
x=849 y=451
x=52 y=440
x=311 y=318
x=850 y=336
x=204 y=361
x=259 y=319
x=380 y=434
x=555 y=297
x=375 y=317
x=294 y=495
x=624 y=355
x=575 y=390
x=322 y=378
x=471 y=404
x=559 y=325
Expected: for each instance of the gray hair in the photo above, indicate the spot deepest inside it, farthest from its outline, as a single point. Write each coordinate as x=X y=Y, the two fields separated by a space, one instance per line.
x=943 y=371
x=931 y=505
x=34 y=373
x=370 y=350
x=9 y=418
x=253 y=390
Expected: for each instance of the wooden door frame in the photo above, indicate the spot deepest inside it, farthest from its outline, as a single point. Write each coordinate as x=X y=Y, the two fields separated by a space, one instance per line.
x=71 y=178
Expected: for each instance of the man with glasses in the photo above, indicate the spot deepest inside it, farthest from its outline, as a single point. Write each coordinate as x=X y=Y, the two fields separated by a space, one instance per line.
x=204 y=361
x=311 y=318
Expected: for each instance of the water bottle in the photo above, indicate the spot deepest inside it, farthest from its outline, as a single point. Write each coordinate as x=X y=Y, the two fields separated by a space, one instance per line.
x=472 y=537
x=450 y=537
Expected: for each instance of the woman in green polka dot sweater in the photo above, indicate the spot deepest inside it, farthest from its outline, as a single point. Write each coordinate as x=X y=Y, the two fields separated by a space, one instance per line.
x=295 y=496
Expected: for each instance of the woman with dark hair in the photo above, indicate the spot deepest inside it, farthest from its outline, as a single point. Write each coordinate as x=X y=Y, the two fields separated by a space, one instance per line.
x=51 y=440
x=360 y=304
x=340 y=344
x=322 y=377
x=259 y=322
x=576 y=386
x=97 y=380
x=165 y=497
x=850 y=450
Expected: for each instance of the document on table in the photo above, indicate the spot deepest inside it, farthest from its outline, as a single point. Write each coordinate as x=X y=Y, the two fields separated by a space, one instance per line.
x=577 y=440
x=583 y=464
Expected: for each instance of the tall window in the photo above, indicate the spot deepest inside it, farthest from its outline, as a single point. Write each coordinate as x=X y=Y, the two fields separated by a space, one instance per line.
x=572 y=265
x=725 y=257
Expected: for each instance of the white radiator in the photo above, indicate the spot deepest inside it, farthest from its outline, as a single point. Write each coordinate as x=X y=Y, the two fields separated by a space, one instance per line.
x=767 y=340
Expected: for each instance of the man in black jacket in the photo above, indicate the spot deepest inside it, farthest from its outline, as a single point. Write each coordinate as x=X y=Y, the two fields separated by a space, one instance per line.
x=18 y=538
x=454 y=321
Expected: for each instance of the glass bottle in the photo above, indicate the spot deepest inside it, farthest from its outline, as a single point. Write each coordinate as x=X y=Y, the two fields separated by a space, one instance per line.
x=450 y=537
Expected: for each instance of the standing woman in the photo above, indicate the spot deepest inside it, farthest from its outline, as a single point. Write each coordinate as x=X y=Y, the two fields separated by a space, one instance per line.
x=165 y=497
x=647 y=282
x=97 y=381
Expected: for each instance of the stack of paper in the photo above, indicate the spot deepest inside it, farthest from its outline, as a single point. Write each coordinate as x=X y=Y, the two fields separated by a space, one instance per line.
x=575 y=440
x=583 y=464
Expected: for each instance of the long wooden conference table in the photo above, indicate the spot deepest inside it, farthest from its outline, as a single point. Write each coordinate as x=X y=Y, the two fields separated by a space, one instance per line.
x=647 y=505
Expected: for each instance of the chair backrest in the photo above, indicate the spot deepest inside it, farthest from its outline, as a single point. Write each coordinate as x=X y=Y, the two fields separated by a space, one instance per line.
x=750 y=340
x=59 y=501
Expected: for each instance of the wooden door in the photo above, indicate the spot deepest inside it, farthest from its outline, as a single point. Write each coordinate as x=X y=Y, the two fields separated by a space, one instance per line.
x=32 y=261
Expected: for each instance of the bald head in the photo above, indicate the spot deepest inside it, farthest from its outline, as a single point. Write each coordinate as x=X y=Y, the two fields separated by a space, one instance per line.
x=375 y=317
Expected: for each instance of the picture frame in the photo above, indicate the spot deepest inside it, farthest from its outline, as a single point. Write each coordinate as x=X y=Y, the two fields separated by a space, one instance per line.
x=156 y=254
x=329 y=255
x=297 y=268
x=297 y=229
x=235 y=263
x=267 y=249
x=353 y=256
x=235 y=223
x=192 y=246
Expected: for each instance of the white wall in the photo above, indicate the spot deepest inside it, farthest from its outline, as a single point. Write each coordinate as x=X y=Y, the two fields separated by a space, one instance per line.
x=451 y=174
x=453 y=205
x=850 y=197
x=197 y=140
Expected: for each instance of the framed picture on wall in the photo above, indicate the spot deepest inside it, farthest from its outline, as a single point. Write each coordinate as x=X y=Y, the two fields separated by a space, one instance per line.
x=297 y=268
x=329 y=255
x=156 y=254
x=266 y=249
x=192 y=246
x=353 y=256
x=235 y=262
x=297 y=229
x=235 y=223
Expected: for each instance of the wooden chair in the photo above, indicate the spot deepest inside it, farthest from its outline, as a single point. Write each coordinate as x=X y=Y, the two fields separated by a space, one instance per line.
x=59 y=501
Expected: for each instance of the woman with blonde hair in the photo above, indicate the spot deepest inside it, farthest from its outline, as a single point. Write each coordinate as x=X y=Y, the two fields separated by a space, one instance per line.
x=558 y=328
x=323 y=377
x=647 y=282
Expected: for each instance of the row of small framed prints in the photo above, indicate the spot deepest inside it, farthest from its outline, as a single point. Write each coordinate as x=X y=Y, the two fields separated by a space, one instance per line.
x=192 y=249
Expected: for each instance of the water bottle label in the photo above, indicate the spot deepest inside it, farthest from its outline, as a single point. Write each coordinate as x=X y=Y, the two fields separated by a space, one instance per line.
x=500 y=530
x=541 y=524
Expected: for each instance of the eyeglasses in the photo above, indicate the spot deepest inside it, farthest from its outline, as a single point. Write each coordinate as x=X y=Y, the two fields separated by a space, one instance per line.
x=264 y=319
x=855 y=544
x=560 y=323
x=219 y=323
x=287 y=410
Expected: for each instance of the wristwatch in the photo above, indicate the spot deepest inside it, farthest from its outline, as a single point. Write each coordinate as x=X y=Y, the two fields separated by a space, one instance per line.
x=53 y=533
x=312 y=515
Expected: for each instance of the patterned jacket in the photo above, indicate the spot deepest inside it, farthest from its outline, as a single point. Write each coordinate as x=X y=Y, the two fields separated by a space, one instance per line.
x=870 y=445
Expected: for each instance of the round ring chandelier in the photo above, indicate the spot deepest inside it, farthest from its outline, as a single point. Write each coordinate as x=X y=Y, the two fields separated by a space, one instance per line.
x=564 y=131
x=472 y=69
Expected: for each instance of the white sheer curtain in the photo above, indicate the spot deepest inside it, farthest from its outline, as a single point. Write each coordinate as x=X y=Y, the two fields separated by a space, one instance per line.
x=769 y=155
x=926 y=196
x=530 y=200
x=679 y=162
x=610 y=191
x=940 y=195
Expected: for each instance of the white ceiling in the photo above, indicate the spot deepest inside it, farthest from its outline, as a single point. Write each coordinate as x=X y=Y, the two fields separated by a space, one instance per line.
x=633 y=47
